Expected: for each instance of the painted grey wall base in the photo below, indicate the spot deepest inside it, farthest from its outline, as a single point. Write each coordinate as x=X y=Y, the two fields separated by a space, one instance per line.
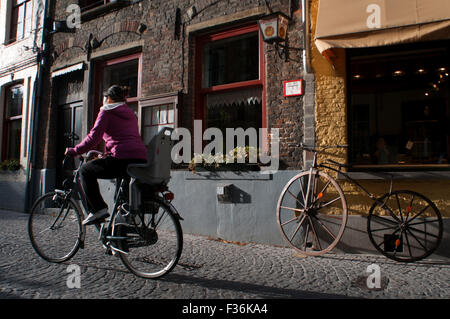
x=250 y=216
x=12 y=190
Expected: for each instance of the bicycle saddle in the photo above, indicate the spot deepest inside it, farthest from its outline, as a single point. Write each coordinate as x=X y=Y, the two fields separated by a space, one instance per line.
x=157 y=169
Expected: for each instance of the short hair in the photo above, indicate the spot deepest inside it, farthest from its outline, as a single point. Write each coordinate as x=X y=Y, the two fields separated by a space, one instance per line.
x=116 y=93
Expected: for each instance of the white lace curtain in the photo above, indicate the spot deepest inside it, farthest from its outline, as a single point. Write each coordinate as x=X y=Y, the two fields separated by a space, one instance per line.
x=246 y=96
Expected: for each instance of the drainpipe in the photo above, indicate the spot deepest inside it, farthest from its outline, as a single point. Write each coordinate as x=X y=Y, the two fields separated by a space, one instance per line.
x=306 y=37
x=31 y=159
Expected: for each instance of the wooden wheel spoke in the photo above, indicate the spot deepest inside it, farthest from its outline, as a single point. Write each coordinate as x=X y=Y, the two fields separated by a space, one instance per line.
x=424 y=222
x=293 y=209
x=303 y=193
x=422 y=232
x=420 y=213
x=295 y=197
x=380 y=229
x=306 y=237
x=399 y=207
x=409 y=245
x=325 y=227
x=410 y=207
x=298 y=227
x=329 y=202
x=314 y=233
x=289 y=221
x=414 y=236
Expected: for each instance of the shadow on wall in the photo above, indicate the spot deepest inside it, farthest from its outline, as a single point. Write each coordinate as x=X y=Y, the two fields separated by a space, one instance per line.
x=12 y=195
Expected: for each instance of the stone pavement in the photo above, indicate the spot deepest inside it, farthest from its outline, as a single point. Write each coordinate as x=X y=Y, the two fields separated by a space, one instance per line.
x=211 y=269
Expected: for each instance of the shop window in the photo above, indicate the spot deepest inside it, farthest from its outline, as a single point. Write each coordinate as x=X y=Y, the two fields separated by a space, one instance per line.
x=399 y=106
x=230 y=77
x=12 y=123
x=21 y=15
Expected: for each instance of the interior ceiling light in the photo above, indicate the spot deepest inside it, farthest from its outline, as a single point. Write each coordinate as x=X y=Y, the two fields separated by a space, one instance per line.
x=399 y=73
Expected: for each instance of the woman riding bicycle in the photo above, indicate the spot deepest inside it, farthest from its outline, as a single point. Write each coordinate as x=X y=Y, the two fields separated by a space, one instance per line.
x=117 y=126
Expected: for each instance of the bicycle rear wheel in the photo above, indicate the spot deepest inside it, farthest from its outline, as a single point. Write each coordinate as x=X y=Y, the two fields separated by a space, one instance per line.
x=55 y=228
x=405 y=226
x=154 y=241
x=312 y=213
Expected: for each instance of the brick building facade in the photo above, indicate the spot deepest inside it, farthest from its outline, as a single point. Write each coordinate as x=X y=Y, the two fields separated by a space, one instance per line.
x=165 y=40
x=181 y=61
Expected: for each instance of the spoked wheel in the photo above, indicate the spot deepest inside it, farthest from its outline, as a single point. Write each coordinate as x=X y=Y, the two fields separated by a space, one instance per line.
x=405 y=226
x=154 y=241
x=312 y=213
x=55 y=228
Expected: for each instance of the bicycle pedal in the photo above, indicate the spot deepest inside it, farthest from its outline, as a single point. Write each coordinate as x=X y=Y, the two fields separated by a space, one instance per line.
x=116 y=250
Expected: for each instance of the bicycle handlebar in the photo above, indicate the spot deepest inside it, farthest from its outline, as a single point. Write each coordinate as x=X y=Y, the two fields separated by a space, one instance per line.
x=313 y=148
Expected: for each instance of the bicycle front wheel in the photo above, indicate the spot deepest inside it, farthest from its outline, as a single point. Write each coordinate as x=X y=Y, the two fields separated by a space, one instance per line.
x=55 y=228
x=312 y=213
x=405 y=226
x=154 y=240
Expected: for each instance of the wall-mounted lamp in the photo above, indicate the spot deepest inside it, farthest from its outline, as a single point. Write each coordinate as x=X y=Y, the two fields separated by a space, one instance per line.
x=61 y=26
x=95 y=43
x=141 y=29
x=191 y=12
x=274 y=31
x=274 y=27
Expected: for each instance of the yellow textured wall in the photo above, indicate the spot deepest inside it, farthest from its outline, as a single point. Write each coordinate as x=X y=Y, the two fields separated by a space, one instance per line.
x=331 y=129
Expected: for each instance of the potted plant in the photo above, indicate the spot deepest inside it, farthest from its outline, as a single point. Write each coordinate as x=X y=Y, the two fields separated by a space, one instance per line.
x=238 y=159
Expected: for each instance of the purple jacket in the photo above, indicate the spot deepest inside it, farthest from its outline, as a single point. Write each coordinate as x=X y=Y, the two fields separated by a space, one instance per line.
x=118 y=127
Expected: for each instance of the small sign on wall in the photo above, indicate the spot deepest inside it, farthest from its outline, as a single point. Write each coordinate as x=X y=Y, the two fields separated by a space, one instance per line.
x=293 y=88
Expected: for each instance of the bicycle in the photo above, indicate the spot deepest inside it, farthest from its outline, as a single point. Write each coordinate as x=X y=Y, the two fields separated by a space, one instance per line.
x=312 y=214
x=144 y=229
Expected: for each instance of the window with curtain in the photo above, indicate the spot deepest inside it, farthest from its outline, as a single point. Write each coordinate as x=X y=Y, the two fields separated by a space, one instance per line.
x=230 y=88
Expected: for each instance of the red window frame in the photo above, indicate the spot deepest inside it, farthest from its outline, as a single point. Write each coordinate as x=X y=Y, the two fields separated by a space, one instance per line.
x=18 y=21
x=200 y=96
x=7 y=122
x=90 y=4
x=100 y=67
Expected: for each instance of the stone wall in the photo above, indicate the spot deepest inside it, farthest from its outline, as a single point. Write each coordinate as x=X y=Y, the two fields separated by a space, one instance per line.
x=331 y=129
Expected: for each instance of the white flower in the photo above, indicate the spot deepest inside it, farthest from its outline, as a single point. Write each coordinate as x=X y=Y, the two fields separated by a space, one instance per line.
x=198 y=158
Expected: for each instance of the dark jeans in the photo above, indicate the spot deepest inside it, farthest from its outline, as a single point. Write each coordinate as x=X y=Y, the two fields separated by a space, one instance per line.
x=104 y=168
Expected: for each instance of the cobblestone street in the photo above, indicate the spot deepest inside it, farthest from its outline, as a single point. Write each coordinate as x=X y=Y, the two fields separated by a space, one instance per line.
x=211 y=269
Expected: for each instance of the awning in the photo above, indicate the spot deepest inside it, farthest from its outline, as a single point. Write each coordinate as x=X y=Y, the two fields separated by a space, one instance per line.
x=68 y=69
x=369 y=23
